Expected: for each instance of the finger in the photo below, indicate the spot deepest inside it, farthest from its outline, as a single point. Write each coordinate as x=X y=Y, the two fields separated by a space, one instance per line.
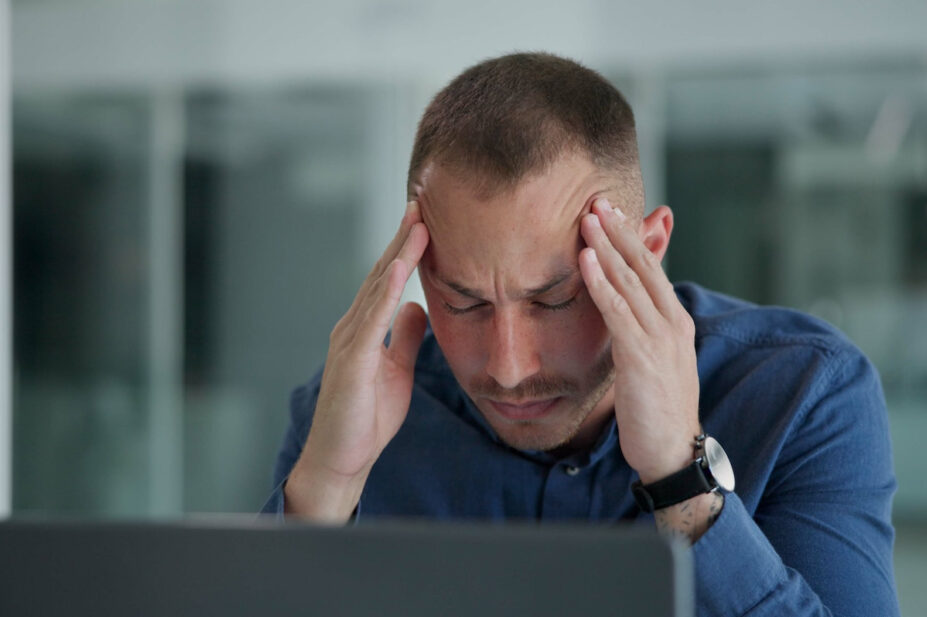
x=381 y=302
x=620 y=320
x=410 y=220
x=411 y=216
x=372 y=319
x=414 y=247
x=410 y=253
x=625 y=239
x=408 y=332
x=620 y=275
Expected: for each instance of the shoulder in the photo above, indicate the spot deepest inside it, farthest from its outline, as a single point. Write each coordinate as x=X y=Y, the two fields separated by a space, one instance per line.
x=717 y=315
x=768 y=361
x=779 y=344
x=787 y=349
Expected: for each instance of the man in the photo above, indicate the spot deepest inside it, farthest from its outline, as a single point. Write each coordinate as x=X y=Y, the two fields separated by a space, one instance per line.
x=559 y=374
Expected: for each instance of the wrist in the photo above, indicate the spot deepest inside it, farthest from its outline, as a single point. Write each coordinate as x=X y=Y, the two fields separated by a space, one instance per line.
x=671 y=459
x=320 y=496
x=709 y=471
x=690 y=519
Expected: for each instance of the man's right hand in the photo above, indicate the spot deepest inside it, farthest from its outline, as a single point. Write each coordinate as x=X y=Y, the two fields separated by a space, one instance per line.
x=366 y=387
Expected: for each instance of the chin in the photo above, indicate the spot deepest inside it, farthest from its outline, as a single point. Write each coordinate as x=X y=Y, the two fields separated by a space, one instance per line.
x=537 y=436
x=540 y=443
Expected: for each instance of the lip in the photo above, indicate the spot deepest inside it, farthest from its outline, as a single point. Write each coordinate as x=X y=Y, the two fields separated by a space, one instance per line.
x=529 y=410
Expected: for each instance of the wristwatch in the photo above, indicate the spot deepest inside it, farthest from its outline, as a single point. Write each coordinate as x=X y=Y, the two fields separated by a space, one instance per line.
x=711 y=470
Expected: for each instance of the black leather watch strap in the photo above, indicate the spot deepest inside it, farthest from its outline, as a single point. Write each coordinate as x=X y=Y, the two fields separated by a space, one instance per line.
x=680 y=486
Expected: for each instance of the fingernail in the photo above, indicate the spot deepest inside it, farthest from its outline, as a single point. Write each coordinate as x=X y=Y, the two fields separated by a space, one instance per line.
x=410 y=210
x=594 y=219
x=606 y=208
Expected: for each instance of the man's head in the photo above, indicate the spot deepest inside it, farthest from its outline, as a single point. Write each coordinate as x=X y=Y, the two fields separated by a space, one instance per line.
x=508 y=118
x=507 y=159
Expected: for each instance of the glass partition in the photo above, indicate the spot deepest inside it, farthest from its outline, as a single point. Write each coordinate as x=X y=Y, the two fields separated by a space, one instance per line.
x=807 y=187
x=269 y=235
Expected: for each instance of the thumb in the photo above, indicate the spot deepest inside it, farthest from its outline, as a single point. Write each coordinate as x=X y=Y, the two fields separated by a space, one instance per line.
x=407 y=335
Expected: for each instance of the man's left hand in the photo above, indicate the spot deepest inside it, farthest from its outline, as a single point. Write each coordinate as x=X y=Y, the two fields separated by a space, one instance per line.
x=653 y=346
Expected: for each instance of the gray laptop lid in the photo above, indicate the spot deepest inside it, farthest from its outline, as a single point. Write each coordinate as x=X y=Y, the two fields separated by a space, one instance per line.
x=382 y=569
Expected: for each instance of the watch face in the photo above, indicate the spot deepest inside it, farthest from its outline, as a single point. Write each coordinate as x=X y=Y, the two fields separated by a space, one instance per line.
x=718 y=464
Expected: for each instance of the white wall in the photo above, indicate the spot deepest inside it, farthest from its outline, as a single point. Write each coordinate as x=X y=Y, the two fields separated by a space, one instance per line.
x=95 y=42
x=6 y=215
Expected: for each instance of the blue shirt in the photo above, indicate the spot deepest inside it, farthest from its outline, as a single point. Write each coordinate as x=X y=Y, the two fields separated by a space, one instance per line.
x=798 y=409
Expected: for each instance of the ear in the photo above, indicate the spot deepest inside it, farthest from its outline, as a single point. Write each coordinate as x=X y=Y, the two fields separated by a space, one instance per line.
x=655 y=231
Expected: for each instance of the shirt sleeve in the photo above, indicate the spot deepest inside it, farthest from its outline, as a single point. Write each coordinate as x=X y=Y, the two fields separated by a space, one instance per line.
x=820 y=541
x=275 y=507
x=302 y=406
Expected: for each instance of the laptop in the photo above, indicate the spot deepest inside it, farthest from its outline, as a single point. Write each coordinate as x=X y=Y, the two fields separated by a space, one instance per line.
x=401 y=569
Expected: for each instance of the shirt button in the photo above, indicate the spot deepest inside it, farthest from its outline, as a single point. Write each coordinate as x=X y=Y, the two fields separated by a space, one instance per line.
x=571 y=470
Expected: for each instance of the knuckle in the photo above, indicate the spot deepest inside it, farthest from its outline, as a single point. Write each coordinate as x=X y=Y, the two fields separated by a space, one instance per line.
x=378 y=284
x=377 y=268
x=618 y=304
x=337 y=332
x=650 y=260
x=685 y=323
x=630 y=279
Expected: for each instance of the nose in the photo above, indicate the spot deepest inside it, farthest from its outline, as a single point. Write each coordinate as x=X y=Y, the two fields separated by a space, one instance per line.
x=512 y=349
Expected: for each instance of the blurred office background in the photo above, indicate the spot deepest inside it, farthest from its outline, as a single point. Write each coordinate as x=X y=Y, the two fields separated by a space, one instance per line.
x=199 y=188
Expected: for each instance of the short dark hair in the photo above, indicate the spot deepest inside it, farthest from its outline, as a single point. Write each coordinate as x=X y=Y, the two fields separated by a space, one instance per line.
x=512 y=116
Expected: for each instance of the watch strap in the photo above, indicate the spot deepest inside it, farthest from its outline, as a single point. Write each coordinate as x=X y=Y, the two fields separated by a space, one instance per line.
x=676 y=488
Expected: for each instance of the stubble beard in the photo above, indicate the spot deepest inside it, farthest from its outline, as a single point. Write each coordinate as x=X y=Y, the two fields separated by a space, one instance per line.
x=540 y=435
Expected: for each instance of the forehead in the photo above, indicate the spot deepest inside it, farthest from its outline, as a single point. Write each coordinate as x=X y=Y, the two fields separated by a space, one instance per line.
x=519 y=237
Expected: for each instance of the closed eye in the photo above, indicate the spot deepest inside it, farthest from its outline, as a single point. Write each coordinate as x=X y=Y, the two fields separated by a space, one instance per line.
x=454 y=310
x=463 y=310
x=556 y=307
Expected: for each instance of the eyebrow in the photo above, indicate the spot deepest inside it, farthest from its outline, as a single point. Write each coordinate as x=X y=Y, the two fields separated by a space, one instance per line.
x=558 y=278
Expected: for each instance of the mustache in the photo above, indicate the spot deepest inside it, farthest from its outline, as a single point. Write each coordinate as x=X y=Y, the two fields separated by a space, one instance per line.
x=542 y=386
x=535 y=387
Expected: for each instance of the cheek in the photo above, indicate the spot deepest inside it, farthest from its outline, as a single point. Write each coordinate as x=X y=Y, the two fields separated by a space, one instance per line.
x=459 y=342
x=455 y=336
x=576 y=339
